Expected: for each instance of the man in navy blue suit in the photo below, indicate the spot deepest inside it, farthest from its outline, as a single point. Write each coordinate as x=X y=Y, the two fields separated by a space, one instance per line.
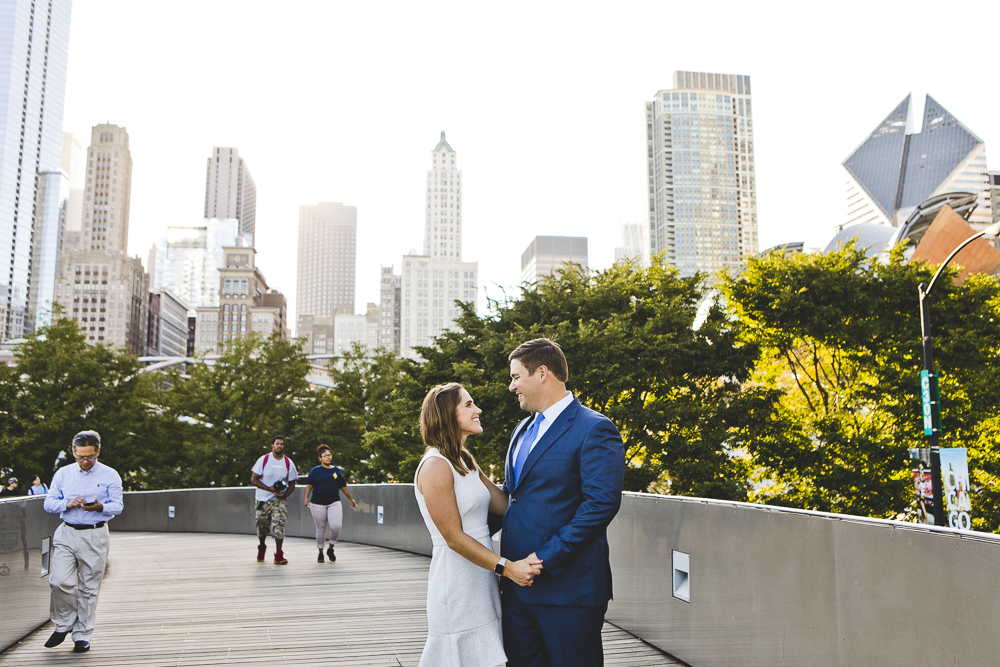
x=564 y=474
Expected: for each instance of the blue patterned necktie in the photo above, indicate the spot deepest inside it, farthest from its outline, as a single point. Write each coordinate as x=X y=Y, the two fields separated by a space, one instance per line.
x=526 y=442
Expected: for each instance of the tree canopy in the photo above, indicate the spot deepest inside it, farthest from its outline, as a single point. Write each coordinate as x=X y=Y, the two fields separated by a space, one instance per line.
x=795 y=382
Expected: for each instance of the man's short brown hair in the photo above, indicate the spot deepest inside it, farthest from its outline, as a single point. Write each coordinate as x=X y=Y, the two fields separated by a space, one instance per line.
x=542 y=352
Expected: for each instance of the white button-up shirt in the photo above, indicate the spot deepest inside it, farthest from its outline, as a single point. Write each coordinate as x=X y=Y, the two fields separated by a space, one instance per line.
x=550 y=415
x=100 y=483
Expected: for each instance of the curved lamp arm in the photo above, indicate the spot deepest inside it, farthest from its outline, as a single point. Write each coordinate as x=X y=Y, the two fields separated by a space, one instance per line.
x=992 y=230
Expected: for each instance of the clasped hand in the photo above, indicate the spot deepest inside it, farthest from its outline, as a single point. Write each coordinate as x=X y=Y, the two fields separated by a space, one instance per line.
x=523 y=572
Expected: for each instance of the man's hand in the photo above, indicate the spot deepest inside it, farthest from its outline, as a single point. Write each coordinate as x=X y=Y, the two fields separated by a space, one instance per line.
x=305 y=502
x=523 y=572
x=76 y=502
x=95 y=506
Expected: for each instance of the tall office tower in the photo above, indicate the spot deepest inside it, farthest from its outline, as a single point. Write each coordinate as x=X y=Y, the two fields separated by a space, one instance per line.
x=632 y=243
x=58 y=213
x=34 y=48
x=98 y=284
x=894 y=171
x=546 y=254
x=430 y=288
x=443 y=217
x=187 y=260
x=326 y=259
x=390 y=303
x=230 y=191
x=700 y=170
x=248 y=307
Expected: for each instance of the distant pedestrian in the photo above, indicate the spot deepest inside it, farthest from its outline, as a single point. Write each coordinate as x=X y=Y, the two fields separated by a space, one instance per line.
x=85 y=495
x=37 y=488
x=274 y=475
x=322 y=497
x=11 y=488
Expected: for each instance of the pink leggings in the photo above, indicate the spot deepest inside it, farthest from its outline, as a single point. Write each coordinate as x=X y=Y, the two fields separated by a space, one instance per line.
x=325 y=516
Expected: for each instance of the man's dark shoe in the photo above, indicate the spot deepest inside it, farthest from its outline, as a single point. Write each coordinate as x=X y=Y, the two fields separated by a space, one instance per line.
x=261 y=550
x=330 y=554
x=279 y=558
x=56 y=639
x=319 y=558
x=81 y=647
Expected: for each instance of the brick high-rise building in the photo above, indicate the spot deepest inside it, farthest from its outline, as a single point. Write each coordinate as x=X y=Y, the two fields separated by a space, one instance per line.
x=98 y=284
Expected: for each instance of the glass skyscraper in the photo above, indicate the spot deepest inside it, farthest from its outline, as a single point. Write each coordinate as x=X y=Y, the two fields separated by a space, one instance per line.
x=893 y=170
x=700 y=167
x=34 y=48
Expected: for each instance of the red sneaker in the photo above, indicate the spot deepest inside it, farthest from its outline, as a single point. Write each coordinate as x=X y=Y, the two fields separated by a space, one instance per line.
x=279 y=558
x=261 y=550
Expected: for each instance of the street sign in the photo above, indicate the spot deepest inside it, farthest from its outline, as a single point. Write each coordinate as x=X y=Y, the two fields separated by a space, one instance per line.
x=931 y=400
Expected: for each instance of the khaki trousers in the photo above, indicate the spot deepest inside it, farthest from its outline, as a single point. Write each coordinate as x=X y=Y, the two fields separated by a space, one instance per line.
x=76 y=570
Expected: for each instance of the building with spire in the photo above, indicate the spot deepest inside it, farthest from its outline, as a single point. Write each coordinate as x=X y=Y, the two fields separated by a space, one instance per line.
x=443 y=217
x=902 y=164
x=701 y=189
x=420 y=302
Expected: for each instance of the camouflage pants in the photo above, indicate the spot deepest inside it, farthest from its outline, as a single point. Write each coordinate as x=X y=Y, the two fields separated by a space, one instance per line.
x=271 y=517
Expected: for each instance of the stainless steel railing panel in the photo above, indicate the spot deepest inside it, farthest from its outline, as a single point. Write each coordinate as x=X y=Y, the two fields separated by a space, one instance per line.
x=780 y=587
x=24 y=592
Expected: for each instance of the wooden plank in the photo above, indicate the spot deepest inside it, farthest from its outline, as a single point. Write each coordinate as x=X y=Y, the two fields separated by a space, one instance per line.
x=191 y=600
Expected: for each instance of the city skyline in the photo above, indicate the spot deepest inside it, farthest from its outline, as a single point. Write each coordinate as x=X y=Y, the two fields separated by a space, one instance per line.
x=531 y=166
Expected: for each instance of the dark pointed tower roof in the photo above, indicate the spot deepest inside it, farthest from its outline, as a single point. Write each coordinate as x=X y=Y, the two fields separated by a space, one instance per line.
x=876 y=164
x=443 y=144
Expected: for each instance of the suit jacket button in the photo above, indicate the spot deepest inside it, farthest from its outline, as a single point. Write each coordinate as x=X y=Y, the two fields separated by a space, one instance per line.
x=513 y=500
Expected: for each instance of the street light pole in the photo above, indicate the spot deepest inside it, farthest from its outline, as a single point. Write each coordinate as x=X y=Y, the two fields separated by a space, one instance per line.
x=928 y=343
x=935 y=437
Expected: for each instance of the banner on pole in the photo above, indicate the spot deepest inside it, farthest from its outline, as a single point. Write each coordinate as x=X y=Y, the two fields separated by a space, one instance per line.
x=923 y=485
x=955 y=481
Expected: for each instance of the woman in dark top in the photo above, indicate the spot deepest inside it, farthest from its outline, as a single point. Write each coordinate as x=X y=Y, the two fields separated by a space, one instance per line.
x=323 y=486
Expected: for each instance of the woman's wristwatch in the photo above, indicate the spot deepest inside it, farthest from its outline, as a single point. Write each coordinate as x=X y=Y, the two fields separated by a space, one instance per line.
x=499 y=568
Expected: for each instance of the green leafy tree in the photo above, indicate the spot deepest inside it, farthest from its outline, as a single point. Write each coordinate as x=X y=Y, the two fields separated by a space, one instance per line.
x=380 y=396
x=841 y=339
x=61 y=386
x=673 y=383
x=235 y=406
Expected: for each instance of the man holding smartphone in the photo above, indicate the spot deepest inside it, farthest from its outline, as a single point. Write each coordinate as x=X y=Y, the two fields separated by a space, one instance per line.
x=85 y=495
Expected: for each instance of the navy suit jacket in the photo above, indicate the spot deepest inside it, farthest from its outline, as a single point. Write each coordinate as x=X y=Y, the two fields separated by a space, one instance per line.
x=569 y=491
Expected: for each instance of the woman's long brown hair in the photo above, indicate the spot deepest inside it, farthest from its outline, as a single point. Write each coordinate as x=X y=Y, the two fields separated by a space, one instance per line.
x=439 y=426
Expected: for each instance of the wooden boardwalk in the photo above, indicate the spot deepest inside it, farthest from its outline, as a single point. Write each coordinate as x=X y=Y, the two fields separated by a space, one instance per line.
x=202 y=599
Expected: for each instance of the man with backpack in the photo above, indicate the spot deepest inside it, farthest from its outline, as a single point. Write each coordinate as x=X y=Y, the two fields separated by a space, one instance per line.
x=274 y=475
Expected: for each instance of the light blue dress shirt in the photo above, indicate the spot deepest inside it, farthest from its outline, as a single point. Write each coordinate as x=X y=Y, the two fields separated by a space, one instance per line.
x=99 y=483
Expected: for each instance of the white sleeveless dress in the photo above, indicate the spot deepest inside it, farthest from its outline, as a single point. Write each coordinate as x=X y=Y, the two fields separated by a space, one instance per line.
x=463 y=599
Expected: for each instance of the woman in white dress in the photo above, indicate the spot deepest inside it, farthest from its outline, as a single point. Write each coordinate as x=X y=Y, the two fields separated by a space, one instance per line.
x=463 y=593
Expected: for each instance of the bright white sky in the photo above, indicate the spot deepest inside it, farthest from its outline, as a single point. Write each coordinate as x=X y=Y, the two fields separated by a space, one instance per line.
x=343 y=101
